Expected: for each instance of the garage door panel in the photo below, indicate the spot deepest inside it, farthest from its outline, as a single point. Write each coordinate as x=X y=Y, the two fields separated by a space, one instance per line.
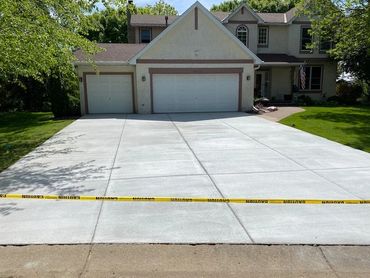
x=195 y=93
x=109 y=93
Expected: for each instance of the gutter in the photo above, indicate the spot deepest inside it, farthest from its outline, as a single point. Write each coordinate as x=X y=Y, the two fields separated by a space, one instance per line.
x=102 y=63
x=283 y=64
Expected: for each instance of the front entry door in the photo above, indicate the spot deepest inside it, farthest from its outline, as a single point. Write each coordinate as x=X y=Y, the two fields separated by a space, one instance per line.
x=260 y=85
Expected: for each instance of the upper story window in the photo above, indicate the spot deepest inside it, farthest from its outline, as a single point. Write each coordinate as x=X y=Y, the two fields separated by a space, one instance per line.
x=263 y=36
x=325 y=45
x=306 y=39
x=242 y=34
x=310 y=78
x=145 y=35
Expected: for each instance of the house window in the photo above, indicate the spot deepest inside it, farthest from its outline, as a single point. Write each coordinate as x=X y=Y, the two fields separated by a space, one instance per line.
x=325 y=45
x=145 y=35
x=306 y=39
x=242 y=34
x=310 y=78
x=263 y=33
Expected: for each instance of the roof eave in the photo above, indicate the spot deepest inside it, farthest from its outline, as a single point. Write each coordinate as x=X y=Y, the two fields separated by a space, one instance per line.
x=282 y=63
x=101 y=63
x=149 y=25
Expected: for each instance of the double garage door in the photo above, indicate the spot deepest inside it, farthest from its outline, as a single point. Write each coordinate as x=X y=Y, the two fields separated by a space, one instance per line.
x=112 y=93
x=195 y=92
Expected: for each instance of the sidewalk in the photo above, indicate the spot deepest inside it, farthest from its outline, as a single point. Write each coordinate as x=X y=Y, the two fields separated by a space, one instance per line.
x=142 y=260
x=282 y=113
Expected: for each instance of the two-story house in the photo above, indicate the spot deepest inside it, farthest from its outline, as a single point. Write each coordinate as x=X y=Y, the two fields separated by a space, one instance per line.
x=206 y=62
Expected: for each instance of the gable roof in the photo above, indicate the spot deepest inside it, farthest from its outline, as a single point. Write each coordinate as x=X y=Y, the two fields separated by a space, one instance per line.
x=213 y=19
x=243 y=5
x=272 y=17
x=114 y=52
x=291 y=14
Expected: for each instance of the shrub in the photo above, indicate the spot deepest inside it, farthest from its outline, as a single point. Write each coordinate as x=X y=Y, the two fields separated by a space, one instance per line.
x=304 y=100
x=64 y=96
x=348 y=93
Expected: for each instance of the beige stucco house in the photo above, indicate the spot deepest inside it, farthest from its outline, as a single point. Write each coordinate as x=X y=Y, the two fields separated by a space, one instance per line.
x=206 y=62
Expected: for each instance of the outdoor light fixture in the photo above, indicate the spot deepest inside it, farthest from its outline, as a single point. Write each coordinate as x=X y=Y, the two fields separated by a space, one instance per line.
x=143 y=78
x=248 y=77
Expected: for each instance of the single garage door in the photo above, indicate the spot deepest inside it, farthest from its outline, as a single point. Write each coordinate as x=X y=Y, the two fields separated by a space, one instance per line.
x=195 y=92
x=109 y=93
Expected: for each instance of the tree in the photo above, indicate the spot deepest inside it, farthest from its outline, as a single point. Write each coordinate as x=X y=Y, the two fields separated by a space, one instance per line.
x=266 y=6
x=38 y=37
x=347 y=25
x=110 y=24
x=159 y=8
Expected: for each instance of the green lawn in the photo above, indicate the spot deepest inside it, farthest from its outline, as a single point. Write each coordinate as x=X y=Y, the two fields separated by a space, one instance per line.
x=21 y=132
x=347 y=125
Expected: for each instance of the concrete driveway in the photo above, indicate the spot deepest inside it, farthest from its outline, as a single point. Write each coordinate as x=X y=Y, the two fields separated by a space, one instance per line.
x=204 y=155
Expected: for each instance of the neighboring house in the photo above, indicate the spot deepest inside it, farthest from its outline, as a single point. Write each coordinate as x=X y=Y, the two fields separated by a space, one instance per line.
x=206 y=62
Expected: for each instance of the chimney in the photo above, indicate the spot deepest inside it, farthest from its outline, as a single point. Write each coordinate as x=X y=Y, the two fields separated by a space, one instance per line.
x=166 y=18
x=130 y=38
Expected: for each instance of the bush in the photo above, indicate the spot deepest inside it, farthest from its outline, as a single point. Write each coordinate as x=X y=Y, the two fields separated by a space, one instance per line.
x=64 y=96
x=348 y=93
x=57 y=94
x=304 y=100
x=23 y=94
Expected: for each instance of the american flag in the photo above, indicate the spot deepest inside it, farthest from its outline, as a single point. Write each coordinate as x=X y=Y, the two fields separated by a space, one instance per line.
x=302 y=75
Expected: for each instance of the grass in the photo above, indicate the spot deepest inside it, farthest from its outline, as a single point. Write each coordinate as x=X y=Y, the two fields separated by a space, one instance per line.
x=348 y=125
x=21 y=132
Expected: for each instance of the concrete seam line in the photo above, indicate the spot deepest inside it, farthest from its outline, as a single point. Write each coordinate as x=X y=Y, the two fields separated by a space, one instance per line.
x=102 y=203
x=291 y=159
x=211 y=179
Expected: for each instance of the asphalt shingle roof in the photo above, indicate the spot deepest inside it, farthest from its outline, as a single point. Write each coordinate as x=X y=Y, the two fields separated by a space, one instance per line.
x=159 y=20
x=113 y=52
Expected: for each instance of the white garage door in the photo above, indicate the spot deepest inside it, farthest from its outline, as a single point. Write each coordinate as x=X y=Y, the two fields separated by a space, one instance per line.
x=109 y=93
x=195 y=92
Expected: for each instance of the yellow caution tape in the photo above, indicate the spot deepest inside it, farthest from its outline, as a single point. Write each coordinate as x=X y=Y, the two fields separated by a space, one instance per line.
x=183 y=199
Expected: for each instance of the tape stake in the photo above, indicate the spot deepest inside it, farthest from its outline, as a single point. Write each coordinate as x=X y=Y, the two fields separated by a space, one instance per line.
x=185 y=199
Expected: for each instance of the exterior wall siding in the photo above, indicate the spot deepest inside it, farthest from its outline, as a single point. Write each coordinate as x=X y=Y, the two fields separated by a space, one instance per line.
x=277 y=40
x=252 y=34
x=184 y=42
x=280 y=82
x=155 y=31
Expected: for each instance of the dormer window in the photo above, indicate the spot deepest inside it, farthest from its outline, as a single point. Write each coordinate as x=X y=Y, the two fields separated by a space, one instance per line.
x=242 y=34
x=145 y=35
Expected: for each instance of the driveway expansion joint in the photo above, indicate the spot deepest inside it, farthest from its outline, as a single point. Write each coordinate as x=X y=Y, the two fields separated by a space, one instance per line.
x=102 y=202
x=211 y=179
